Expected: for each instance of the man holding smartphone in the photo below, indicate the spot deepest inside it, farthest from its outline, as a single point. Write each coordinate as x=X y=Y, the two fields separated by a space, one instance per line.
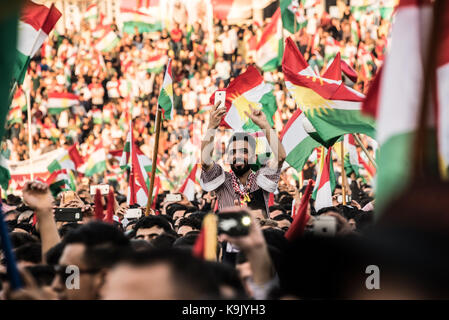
x=235 y=187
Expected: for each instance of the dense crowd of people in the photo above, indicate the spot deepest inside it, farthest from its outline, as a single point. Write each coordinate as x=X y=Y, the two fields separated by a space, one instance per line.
x=151 y=257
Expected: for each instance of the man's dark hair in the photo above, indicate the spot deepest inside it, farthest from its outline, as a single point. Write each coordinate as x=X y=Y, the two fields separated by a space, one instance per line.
x=66 y=228
x=104 y=243
x=286 y=203
x=327 y=209
x=151 y=221
x=30 y=252
x=283 y=217
x=18 y=239
x=164 y=241
x=191 y=222
x=193 y=278
x=140 y=245
x=54 y=253
x=42 y=274
x=172 y=208
x=275 y=208
x=363 y=220
x=347 y=212
x=242 y=136
x=187 y=241
x=227 y=276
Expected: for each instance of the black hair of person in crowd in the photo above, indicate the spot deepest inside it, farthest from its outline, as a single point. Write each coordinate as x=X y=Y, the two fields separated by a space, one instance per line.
x=149 y=227
x=177 y=273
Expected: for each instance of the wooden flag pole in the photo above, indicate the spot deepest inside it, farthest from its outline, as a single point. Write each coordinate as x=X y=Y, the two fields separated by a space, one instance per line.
x=154 y=160
x=360 y=144
x=30 y=143
x=343 y=173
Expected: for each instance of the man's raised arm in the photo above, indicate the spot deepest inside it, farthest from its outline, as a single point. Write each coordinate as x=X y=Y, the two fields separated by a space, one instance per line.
x=276 y=146
x=207 y=144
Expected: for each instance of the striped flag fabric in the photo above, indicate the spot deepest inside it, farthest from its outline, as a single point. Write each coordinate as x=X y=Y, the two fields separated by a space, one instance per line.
x=205 y=246
x=96 y=162
x=395 y=101
x=351 y=161
x=297 y=143
x=188 y=187
x=15 y=115
x=442 y=74
x=145 y=17
x=232 y=10
x=270 y=47
x=155 y=63
x=36 y=23
x=248 y=89
x=331 y=108
x=325 y=164
x=165 y=100
x=91 y=12
x=58 y=181
x=19 y=99
x=5 y=174
x=324 y=191
x=60 y=101
x=108 y=41
x=292 y=10
x=138 y=181
x=69 y=159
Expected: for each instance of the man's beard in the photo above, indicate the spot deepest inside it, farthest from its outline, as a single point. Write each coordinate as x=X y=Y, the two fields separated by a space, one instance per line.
x=239 y=170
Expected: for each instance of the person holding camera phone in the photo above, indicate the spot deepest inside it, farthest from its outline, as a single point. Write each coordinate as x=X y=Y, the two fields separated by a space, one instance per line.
x=241 y=181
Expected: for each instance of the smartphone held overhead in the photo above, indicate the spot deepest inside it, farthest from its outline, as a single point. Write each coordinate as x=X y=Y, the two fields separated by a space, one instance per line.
x=220 y=97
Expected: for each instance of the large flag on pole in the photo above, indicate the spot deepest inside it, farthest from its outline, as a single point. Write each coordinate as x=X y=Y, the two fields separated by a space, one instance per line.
x=326 y=165
x=297 y=143
x=36 y=22
x=188 y=187
x=270 y=47
x=332 y=108
x=166 y=95
x=291 y=11
x=395 y=100
x=324 y=185
x=248 y=89
x=146 y=15
x=69 y=159
x=96 y=163
x=442 y=74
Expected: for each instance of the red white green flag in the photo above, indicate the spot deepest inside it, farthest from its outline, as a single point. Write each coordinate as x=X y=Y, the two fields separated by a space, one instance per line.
x=36 y=23
x=188 y=187
x=270 y=47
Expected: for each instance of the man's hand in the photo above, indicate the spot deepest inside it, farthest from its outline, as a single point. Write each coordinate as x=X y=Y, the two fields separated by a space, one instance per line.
x=215 y=116
x=37 y=196
x=258 y=118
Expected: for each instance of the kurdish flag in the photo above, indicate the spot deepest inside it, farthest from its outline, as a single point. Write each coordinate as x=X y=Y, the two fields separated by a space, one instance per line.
x=5 y=175
x=325 y=161
x=91 y=12
x=291 y=11
x=248 y=89
x=188 y=187
x=297 y=143
x=96 y=163
x=69 y=159
x=58 y=181
x=270 y=47
x=108 y=41
x=155 y=64
x=15 y=115
x=325 y=183
x=147 y=19
x=351 y=160
x=165 y=100
x=442 y=74
x=60 y=101
x=138 y=180
x=332 y=108
x=395 y=100
x=205 y=246
x=36 y=22
x=19 y=99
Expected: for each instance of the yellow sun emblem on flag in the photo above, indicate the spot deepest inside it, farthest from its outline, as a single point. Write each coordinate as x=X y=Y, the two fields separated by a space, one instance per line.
x=242 y=104
x=169 y=90
x=310 y=101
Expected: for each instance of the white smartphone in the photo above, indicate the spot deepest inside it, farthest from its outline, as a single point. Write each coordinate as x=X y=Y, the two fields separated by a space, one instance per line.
x=340 y=199
x=172 y=197
x=220 y=96
x=104 y=189
x=133 y=213
x=324 y=226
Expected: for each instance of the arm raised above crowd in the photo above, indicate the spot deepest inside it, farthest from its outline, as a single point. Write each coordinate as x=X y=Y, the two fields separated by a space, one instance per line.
x=38 y=197
x=260 y=119
x=207 y=144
